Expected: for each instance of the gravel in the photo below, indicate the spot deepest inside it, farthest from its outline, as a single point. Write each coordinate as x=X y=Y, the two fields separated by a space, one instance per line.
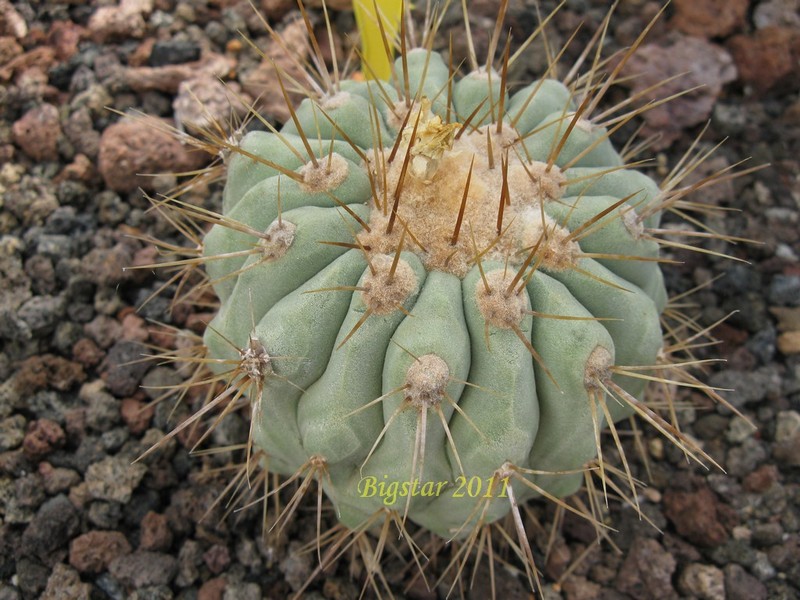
x=80 y=519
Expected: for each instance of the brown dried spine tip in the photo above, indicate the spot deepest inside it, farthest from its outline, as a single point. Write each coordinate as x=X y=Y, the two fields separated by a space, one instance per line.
x=598 y=368
x=386 y=290
x=277 y=239
x=426 y=381
x=498 y=306
x=256 y=362
x=327 y=175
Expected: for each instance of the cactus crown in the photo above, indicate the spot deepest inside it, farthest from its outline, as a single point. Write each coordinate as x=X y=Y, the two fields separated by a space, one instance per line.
x=434 y=279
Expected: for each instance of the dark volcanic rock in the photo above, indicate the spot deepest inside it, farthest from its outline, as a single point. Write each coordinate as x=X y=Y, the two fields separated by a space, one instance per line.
x=143 y=568
x=51 y=529
x=125 y=367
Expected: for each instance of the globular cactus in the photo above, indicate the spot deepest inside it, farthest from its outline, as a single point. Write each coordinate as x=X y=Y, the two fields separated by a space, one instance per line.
x=436 y=293
x=470 y=300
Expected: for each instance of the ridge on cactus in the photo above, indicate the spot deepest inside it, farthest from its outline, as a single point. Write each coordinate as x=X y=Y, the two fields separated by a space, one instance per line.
x=435 y=293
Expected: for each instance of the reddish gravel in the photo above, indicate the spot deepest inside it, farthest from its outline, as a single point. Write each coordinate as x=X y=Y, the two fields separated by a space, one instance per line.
x=80 y=519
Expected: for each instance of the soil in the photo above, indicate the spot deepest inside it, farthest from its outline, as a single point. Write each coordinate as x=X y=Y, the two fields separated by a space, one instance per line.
x=80 y=519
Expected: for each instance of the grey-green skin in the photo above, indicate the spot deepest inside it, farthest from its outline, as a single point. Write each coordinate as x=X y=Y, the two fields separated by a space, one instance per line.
x=309 y=406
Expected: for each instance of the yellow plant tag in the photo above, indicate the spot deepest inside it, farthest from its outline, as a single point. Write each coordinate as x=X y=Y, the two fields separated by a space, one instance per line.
x=377 y=62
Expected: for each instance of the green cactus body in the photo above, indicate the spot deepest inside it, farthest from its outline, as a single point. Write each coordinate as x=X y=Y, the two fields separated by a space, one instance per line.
x=441 y=306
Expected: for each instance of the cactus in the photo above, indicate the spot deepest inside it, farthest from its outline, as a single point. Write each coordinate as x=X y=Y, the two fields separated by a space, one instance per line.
x=436 y=292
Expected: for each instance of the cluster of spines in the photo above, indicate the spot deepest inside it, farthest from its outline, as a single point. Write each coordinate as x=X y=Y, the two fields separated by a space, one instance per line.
x=243 y=374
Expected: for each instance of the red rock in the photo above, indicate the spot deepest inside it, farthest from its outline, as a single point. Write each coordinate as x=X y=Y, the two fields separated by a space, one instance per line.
x=156 y=534
x=145 y=256
x=43 y=437
x=262 y=82
x=188 y=437
x=117 y=22
x=138 y=58
x=11 y=22
x=702 y=64
x=579 y=588
x=217 y=558
x=64 y=36
x=86 y=352
x=276 y=9
x=206 y=102
x=75 y=423
x=163 y=337
x=761 y=479
x=92 y=552
x=40 y=59
x=80 y=169
x=106 y=266
x=182 y=310
x=47 y=370
x=57 y=479
x=768 y=58
x=133 y=148
x=169 y=77
x=213 y=589
x=694 y=515
x=197 y=322
x=9 y=49
x=63 y=374
x=103 y=330
x=136 y=414
x=134 y=328
x=709 y=18
x=37 y=132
